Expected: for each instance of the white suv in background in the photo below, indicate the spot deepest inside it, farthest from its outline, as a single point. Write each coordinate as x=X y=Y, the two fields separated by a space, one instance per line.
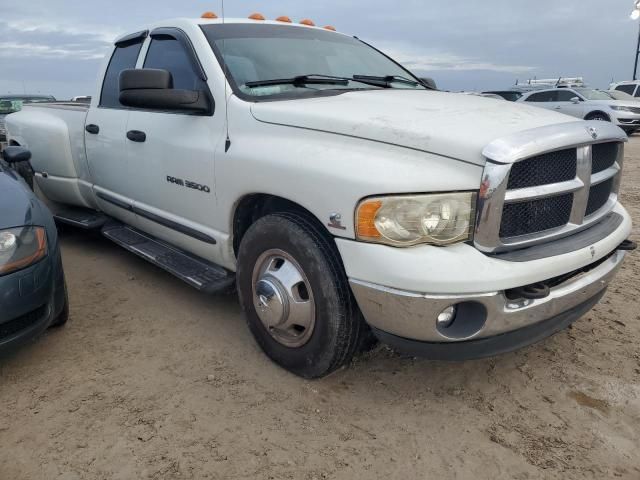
x=632 y=87
x=589 y=104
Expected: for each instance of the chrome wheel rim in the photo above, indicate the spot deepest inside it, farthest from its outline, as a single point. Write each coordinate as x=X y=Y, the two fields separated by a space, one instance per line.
x=283 y=299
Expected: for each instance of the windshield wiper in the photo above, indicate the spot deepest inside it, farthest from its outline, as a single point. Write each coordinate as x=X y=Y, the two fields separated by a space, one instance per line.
x=301 y=80
x=387 y=79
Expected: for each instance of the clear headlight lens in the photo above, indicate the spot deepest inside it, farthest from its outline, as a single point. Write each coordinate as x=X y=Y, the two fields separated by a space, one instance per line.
x=621 y=108
x=21 y=247
x=404 y=220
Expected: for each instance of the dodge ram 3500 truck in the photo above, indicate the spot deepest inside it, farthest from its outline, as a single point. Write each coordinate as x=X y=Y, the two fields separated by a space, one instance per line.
x=340 y=194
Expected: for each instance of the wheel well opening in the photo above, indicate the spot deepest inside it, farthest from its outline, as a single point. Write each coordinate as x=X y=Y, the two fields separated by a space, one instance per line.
x=253 y=207
x=597 y=113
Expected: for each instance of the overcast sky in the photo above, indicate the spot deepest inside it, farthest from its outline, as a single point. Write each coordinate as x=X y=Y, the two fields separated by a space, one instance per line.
x=56 y=46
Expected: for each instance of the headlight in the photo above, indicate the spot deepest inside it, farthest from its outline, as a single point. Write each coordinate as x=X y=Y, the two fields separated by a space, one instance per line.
x=21 y=247
x=437 y=219
x=620 y=108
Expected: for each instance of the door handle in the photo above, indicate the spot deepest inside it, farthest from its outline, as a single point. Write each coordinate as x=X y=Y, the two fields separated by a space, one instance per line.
x=93 y=129
x=558 y=108
x=136 y=136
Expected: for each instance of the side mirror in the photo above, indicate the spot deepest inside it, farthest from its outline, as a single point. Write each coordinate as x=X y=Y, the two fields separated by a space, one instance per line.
x=429 y=83
x=153 y=89
x=15 y=154
x=575 y=100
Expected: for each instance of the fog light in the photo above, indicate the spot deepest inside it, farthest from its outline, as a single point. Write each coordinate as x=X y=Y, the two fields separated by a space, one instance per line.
x=446 y=317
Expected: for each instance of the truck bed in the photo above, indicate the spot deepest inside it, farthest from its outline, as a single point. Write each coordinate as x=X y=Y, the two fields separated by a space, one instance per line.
x=54 y=132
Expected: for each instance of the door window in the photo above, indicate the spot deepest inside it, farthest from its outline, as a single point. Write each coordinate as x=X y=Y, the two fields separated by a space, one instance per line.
x=542 y=97
x=167 y=53
x=565 y=95
x=124 y=57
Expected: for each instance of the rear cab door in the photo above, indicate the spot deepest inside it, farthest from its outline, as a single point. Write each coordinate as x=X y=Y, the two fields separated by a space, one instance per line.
x=105 y=134
x=543 y=99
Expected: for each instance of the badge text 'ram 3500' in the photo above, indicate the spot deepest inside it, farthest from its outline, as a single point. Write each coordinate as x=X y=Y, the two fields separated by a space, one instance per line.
x=343 y=196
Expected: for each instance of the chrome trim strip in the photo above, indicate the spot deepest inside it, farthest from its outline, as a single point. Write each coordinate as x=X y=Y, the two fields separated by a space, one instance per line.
x=413 y=315
x=583 y=173
x=604 y=175
x=541 y=140
x=542 y=191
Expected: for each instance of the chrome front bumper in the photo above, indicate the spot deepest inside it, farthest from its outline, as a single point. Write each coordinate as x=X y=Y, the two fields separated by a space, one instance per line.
x=414 y=316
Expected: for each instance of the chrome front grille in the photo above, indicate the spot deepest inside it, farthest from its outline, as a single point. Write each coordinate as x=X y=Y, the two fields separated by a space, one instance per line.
x=551 y=167
x=547 y=183
x=525 y=218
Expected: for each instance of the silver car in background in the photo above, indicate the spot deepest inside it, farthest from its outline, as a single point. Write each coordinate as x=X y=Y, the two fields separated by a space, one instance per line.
x=588 y=104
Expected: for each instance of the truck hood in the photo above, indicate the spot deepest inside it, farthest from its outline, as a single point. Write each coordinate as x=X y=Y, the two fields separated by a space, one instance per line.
x=448 y=124
x=16 y=202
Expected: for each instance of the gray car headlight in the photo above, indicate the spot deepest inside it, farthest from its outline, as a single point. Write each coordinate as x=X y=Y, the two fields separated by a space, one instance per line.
x=405 y=220
x=621 y=108
x=21 y=247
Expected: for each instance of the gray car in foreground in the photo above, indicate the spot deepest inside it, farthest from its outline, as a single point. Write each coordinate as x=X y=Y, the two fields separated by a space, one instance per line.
x=33 y=294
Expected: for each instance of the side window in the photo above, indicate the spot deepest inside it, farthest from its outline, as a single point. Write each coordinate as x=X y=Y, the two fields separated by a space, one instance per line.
x=541 y=97
x=167 y=53
x=123 y=58
x=626 y=88
x=565 y=95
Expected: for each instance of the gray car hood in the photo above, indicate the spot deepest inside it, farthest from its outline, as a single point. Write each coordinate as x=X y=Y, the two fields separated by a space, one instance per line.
x=18 y=205
x=448 y=124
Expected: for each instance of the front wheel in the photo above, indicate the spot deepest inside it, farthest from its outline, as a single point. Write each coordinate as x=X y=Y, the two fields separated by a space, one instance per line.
x=296 y=296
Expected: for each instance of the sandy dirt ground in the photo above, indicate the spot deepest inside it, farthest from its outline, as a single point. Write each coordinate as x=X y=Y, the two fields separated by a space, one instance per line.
x=153 y=380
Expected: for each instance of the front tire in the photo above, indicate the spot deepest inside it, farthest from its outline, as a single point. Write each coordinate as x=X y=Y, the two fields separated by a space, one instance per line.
x=296 y=297
x=63 y=316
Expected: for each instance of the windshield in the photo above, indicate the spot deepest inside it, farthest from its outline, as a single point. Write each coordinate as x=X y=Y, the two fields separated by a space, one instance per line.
x=262 y=53
x=591 y=94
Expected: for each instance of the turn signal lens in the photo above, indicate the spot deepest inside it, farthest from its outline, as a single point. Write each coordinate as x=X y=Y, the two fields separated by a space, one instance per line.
x=307 y=22
x=329 y=27
x=210 y=15
x=366 y=227
x=406 y=220
x=284 y=18
x=21 y=247
x=257 y=16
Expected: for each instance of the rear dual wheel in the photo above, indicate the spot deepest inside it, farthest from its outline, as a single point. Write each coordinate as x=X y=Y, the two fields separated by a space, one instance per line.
x=296 y=296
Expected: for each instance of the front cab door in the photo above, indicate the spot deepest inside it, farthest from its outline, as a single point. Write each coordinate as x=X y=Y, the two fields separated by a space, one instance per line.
x=171 y=154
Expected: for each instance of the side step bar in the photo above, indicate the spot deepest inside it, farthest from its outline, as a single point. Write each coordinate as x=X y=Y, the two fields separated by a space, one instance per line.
x=80 y=217
x=195 y=271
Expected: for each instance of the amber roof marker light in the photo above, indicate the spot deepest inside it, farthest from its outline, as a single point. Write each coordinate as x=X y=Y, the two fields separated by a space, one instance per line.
x=329 y=27
x=209 y=15
x=307 y=22
x=257 y=16
x=284 y=19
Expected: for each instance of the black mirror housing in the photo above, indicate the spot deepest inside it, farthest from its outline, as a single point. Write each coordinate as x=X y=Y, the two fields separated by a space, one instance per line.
x=152 y=89
x=16 y=154
x=429 y=83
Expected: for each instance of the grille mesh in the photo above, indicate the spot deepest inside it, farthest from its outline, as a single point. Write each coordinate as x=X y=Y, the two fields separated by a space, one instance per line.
x=603 y=156
x=16 y=325
x=536 y=215
x=544 y=169
x=598 y=196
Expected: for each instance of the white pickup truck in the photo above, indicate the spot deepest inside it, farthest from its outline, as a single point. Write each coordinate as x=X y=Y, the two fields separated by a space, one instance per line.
x=338 y=192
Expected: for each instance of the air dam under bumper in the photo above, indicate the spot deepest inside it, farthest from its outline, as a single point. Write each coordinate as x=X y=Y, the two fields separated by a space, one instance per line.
x=486 y=324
